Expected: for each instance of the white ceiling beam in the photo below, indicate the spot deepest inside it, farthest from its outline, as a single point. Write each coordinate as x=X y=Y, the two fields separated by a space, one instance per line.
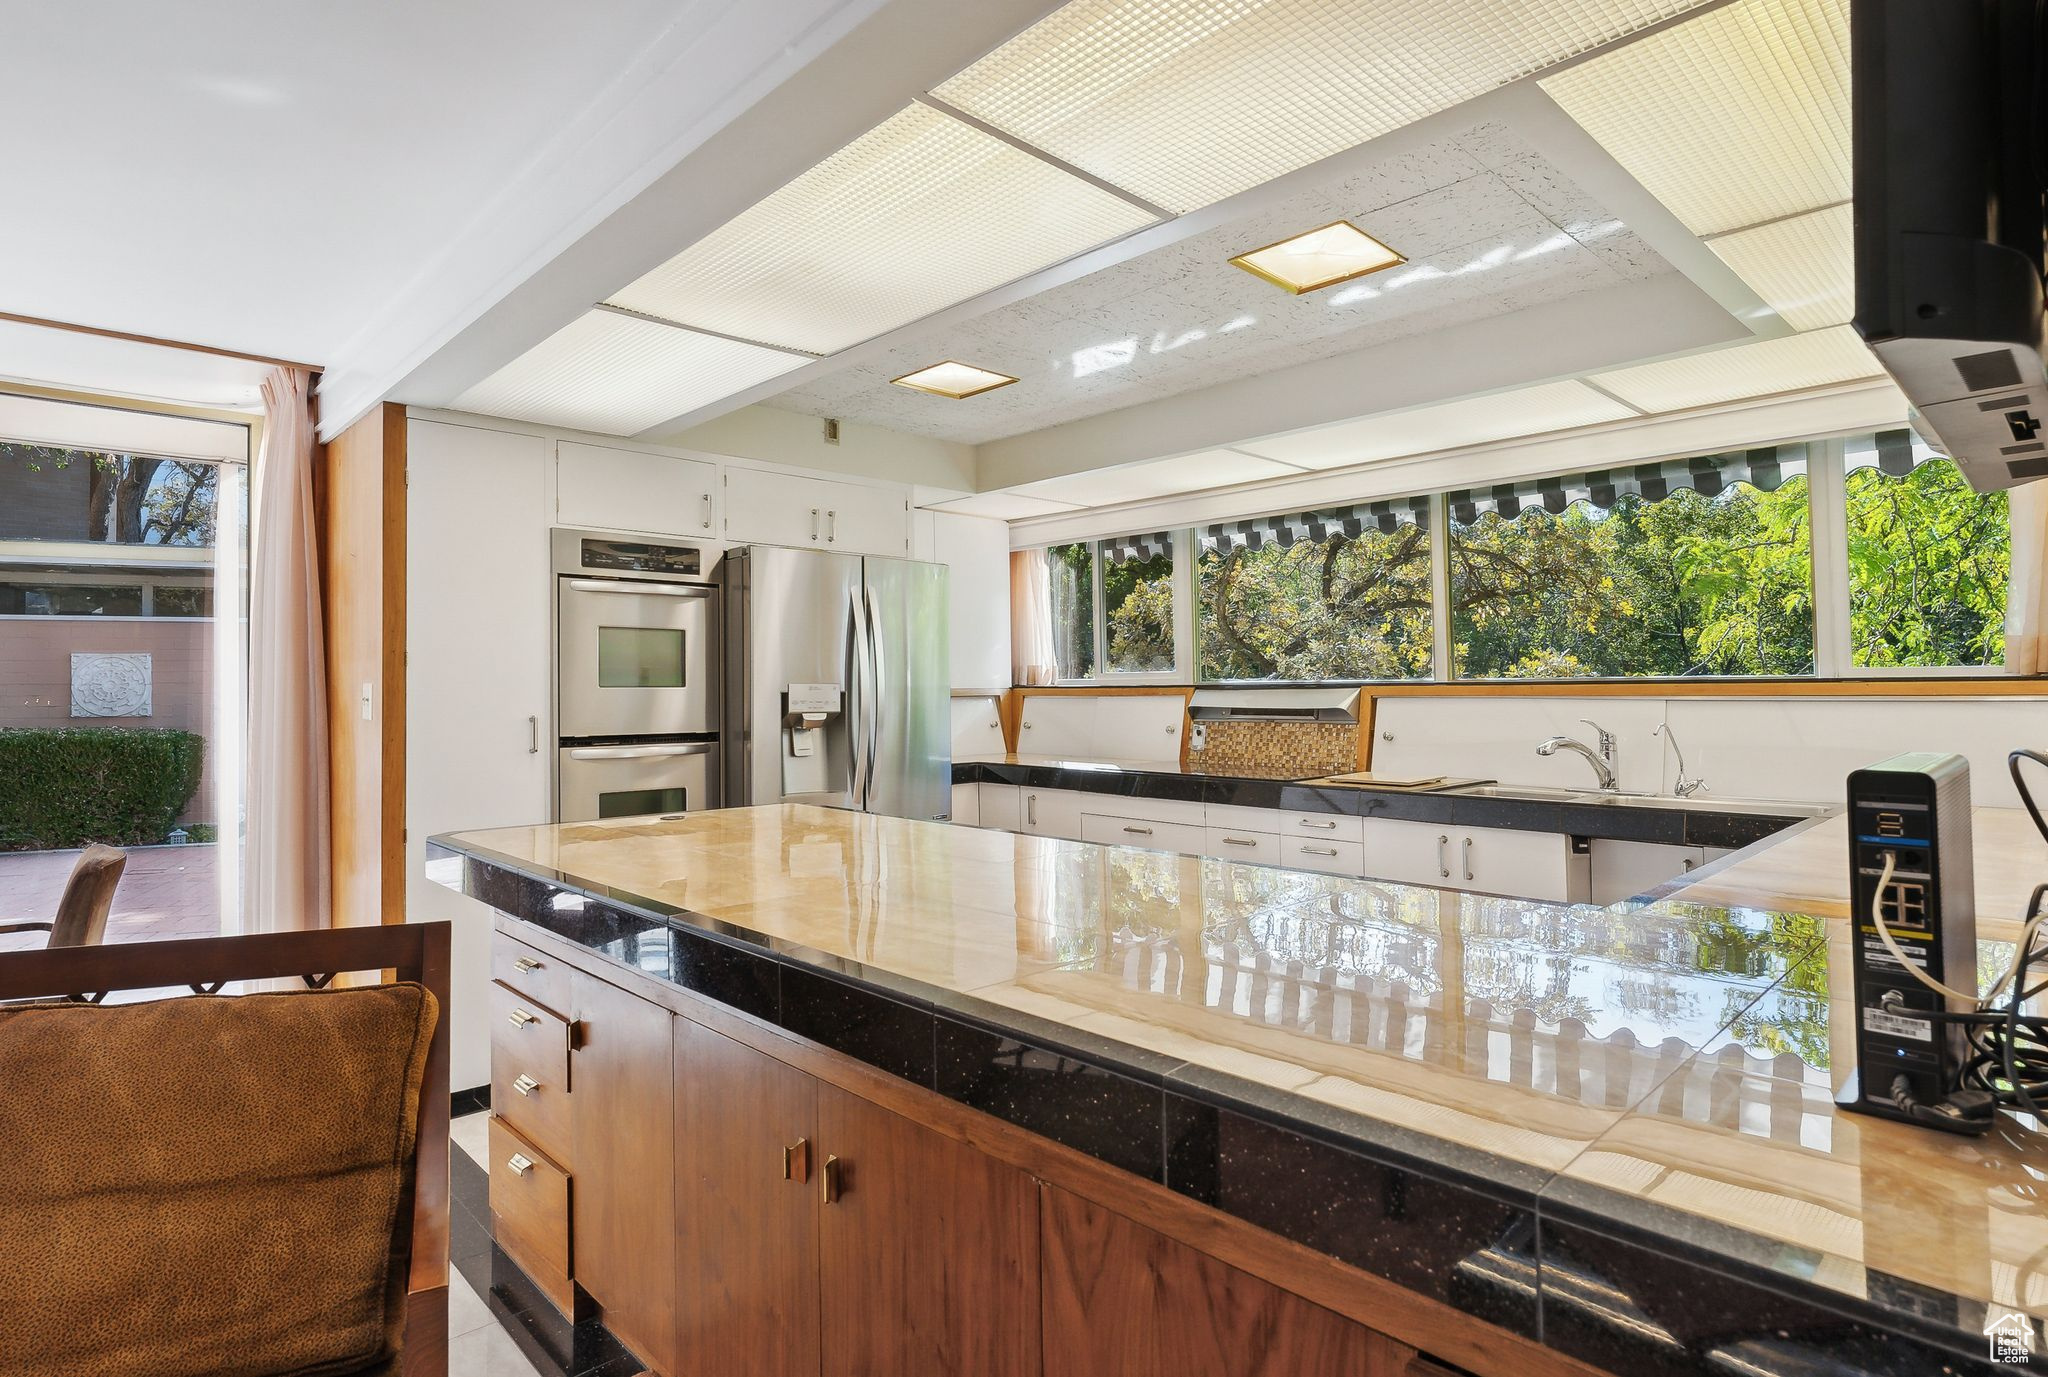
x=824 y=88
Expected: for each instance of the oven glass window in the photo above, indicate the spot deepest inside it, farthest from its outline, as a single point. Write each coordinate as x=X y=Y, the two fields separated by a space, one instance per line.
x=631 y=803
x=639 y=657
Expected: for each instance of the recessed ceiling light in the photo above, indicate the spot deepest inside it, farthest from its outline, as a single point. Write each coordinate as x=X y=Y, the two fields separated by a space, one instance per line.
x=955 y=380
x=1320 y=258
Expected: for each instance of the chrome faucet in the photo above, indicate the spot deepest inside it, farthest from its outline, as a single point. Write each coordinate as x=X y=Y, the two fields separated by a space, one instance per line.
x=1602 y=763
x=1681 y=787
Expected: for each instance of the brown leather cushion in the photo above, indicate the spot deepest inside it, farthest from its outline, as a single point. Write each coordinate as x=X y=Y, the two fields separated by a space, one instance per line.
x=219 y=1184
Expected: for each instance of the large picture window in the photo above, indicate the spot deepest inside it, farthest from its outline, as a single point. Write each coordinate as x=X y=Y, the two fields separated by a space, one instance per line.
x=1929 y=560
x=1697 y=567
x=1329 y=595
x=1703 y=567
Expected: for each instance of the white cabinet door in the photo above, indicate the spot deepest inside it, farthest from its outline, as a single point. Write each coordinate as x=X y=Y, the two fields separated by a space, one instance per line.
x=862 y=520
x=966 y=805
x=1622 y=870
x=478 y=731
x=627 y=490
x=768 y=508
x=1053 y=812
x=1416 y=853
x=997 y=806
x=1525 y=865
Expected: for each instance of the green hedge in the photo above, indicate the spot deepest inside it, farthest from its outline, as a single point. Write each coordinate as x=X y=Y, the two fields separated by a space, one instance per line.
x=66 y=787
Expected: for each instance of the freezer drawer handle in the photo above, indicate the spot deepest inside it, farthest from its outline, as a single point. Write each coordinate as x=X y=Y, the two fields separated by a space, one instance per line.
x=639 y=752
x=640 y=590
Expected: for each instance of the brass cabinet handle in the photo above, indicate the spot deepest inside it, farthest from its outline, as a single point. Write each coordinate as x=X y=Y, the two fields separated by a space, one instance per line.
x=1139 y=831
x=520 y=1163
x=1238 y=841
x=526 y=965
x=1318 y=850
x=526 y=1085
x=519 y=1018
x=796 y=1160
x=828 y=1176
x=1329 y=825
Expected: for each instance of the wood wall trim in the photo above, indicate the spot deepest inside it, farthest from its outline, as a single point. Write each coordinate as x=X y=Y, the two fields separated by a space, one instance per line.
x=1414 y=1319
x=362 y=517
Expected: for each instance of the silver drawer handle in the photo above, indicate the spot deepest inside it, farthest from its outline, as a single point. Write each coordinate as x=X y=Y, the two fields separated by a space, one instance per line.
x=1238 y=841
x=1467 y=853
x=526 y=965
x=640 y=752
x=526 y=1085
x=519 y=1018
x=1139 y=831
x=1443 y=862
x=1327 y=826
x=520 y=1163
x=1318 y=850
x=631 y=589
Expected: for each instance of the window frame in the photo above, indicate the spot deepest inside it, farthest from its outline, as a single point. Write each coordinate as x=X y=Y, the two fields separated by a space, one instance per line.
x=1827 y=512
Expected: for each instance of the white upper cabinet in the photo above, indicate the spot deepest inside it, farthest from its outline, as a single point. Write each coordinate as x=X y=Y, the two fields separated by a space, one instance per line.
x=630 y=490
x=770 y=508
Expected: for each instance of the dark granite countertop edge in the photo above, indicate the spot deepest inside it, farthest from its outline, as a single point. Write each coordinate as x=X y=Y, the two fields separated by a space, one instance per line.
x=1638 y=822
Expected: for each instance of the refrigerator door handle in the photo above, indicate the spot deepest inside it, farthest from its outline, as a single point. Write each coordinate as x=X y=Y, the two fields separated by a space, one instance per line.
x=856 y=691
x=875 y=670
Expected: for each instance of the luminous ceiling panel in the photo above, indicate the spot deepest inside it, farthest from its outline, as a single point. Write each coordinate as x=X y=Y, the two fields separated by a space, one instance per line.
x=1759 y=369
x=1735 y=117
x=1002 y=506
x=617 y=375
x=1452 y=425
x=1219 y=468
x=1186 y=102
x=920 y=212
x=1804 y=267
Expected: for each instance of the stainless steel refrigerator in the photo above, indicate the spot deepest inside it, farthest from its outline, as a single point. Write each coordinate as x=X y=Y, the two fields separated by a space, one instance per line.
x=837 y=682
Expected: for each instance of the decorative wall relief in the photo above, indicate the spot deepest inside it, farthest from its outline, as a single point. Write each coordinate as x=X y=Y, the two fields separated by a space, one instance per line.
x=110 y=685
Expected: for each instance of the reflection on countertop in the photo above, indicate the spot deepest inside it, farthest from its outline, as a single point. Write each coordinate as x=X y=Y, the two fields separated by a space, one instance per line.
x=1653 y=1075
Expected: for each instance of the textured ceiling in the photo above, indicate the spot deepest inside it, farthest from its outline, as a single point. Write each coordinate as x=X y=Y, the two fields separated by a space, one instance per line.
x=1487 y=225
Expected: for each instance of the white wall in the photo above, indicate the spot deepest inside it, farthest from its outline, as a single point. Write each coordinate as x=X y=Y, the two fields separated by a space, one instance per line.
x=776 y=436
x=1796 y=749
x=976 y=553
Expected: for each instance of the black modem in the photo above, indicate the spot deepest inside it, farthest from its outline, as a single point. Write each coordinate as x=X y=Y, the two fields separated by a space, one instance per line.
x=1913 y=921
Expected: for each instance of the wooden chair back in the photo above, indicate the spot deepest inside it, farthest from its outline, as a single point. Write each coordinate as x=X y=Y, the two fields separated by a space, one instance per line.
x=415 y=952
x=88 y=897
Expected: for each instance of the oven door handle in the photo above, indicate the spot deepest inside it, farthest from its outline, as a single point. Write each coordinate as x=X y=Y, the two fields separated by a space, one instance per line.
x=628 y=586
x=639 y=752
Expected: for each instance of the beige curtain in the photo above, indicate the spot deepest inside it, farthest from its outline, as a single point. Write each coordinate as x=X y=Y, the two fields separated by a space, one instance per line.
x=1032 y=657
x=2026 y=604
x=286 y=866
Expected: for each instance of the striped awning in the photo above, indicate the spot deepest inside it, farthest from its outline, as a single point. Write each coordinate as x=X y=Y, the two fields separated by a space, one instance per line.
x=1286 y=528
x=1709 y=475
x=1894 y=453
x=1137 y=547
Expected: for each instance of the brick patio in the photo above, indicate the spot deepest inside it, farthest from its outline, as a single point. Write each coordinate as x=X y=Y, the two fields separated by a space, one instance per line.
x=166 y=892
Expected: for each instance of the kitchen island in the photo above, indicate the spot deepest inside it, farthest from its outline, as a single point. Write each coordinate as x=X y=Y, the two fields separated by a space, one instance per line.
x=1390 y=1120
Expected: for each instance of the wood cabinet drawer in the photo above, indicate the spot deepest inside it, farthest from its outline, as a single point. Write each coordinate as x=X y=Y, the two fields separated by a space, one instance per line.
x=535 y=974
x=530 y=1211
x=530 y=1071
x=1237 y=844
x=1187 y=838
x=1343 y=827
x=1328 y=856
